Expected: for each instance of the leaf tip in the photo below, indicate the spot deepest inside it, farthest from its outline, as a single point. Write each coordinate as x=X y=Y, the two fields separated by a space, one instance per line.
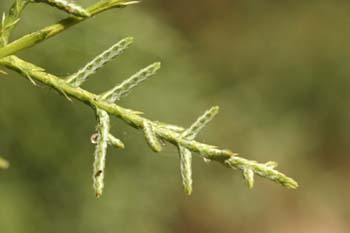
x=248 y=175
x=128 y=40
x=215 y=109
x=98 y=195
x=291 y=184
x=188 y=191
x=130 y=3
x=156 y=66
x=271 y=164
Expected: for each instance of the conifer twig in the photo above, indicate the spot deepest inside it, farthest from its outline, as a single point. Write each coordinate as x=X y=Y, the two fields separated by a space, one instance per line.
x=98 y=62
x=127 y=85
x=34 y=38
x=67 y=6
x=101 y=151
x=131 y=117
x=9 y=22
x=104 y=104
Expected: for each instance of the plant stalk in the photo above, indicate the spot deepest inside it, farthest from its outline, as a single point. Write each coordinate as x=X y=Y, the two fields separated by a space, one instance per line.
x=34 y=38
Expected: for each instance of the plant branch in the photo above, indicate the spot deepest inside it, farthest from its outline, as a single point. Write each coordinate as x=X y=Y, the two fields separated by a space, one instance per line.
x=133 y=118
x=8 y=23
x=50 y=31
x=104 y=106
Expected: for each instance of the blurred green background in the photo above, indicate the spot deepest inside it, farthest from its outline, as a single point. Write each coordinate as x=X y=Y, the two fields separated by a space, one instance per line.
x=279 y=70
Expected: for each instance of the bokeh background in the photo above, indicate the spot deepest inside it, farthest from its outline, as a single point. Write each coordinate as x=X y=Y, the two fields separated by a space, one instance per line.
x=279 y=70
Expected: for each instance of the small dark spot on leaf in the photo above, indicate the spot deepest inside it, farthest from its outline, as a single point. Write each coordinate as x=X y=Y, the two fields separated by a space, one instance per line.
x=98 y=173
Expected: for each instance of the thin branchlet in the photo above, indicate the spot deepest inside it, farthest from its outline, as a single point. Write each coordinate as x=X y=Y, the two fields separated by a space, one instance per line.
x=262 y=170
x=98 y=62
x=116 y=142
x=132 y=118
x=174 y=128
x=129 y=3
x=100 y=151
x=248 y=175
x=185 y=154
x=112 y=141
x=104 y=105
x=151 y=137
x=125 y=87
x=37 y=37
x=67 y=6
x=200 y=123
x=9 y=21
x=271 y=164
x=186 y=169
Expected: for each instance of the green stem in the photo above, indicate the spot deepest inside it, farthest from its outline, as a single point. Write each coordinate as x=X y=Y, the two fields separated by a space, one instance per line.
x=50 y=31
x=11 y=20
x=129 y=116
x=133 y=118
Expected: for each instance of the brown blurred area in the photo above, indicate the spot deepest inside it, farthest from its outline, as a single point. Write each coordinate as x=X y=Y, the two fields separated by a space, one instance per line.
x=280 y=72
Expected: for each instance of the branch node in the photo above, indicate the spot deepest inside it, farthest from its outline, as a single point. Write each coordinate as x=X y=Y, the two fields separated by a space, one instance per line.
x=248 y=175
x=151 y=136
x=200 y=123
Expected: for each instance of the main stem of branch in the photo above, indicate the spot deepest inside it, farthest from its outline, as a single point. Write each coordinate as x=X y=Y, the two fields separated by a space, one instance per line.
x=133 y=118
x=129 y=116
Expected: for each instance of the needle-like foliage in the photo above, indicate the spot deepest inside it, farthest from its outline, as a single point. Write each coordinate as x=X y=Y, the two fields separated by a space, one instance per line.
x=156 y=133
x=98 y=62
x=67 y=6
